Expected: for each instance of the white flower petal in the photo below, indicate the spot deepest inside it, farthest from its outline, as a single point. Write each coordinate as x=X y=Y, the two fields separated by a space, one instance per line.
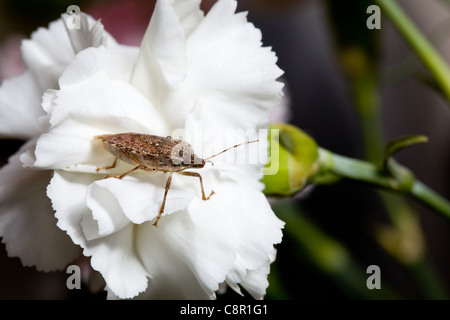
x=51 y=49
x=57 y=46
x=48 y=47
x=233 y=285
x=91 y=108
x=46 y=55
x=27 y=158
x=256 y=281
x=48 y=102
x=19 y=107
x=245 y=225
x=237 y=275
x=47 y=76
x=161 y=64
x=228 y=64
x=68 y=193
x=189 y=14
x=27 y=222
x=138 y=198
x=210 y=240
x=115 y=258
x=253 y=249
x=168 y=254
x=204 y=129
x=66 y=144
x=107 y=216
x=117 y=62
x=90 y=34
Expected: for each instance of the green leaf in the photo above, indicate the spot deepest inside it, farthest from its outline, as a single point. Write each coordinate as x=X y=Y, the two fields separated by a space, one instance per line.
x=394 y=146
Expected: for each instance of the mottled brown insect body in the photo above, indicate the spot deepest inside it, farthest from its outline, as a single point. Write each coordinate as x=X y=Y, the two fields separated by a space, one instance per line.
x=155 y=153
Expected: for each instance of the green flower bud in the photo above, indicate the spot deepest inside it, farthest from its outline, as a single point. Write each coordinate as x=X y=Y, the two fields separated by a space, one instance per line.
x=295 y=155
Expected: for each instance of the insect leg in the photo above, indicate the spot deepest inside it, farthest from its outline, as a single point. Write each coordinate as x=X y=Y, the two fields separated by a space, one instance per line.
x=195 y=174
x=111 y=166
x=123 y=175
x=161 y=210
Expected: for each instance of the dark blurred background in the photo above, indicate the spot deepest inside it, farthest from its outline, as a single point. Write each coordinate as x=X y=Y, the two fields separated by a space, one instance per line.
x=314 y=40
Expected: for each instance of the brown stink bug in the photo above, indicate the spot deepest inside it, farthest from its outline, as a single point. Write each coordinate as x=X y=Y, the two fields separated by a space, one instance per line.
x=155 y=153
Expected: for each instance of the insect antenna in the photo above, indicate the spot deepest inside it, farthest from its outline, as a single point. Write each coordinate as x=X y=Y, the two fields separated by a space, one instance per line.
x=235 y=146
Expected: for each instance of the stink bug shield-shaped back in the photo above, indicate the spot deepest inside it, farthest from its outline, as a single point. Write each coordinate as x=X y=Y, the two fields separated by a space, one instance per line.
x=154 y=153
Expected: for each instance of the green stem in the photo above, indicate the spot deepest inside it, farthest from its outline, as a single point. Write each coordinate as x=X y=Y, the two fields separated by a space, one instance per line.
x=367 y=172
x=423 y=48
x=427 y=196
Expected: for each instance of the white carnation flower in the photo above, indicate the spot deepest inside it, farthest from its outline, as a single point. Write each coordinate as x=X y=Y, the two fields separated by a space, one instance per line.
x=205 y=77
x=27 y=222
